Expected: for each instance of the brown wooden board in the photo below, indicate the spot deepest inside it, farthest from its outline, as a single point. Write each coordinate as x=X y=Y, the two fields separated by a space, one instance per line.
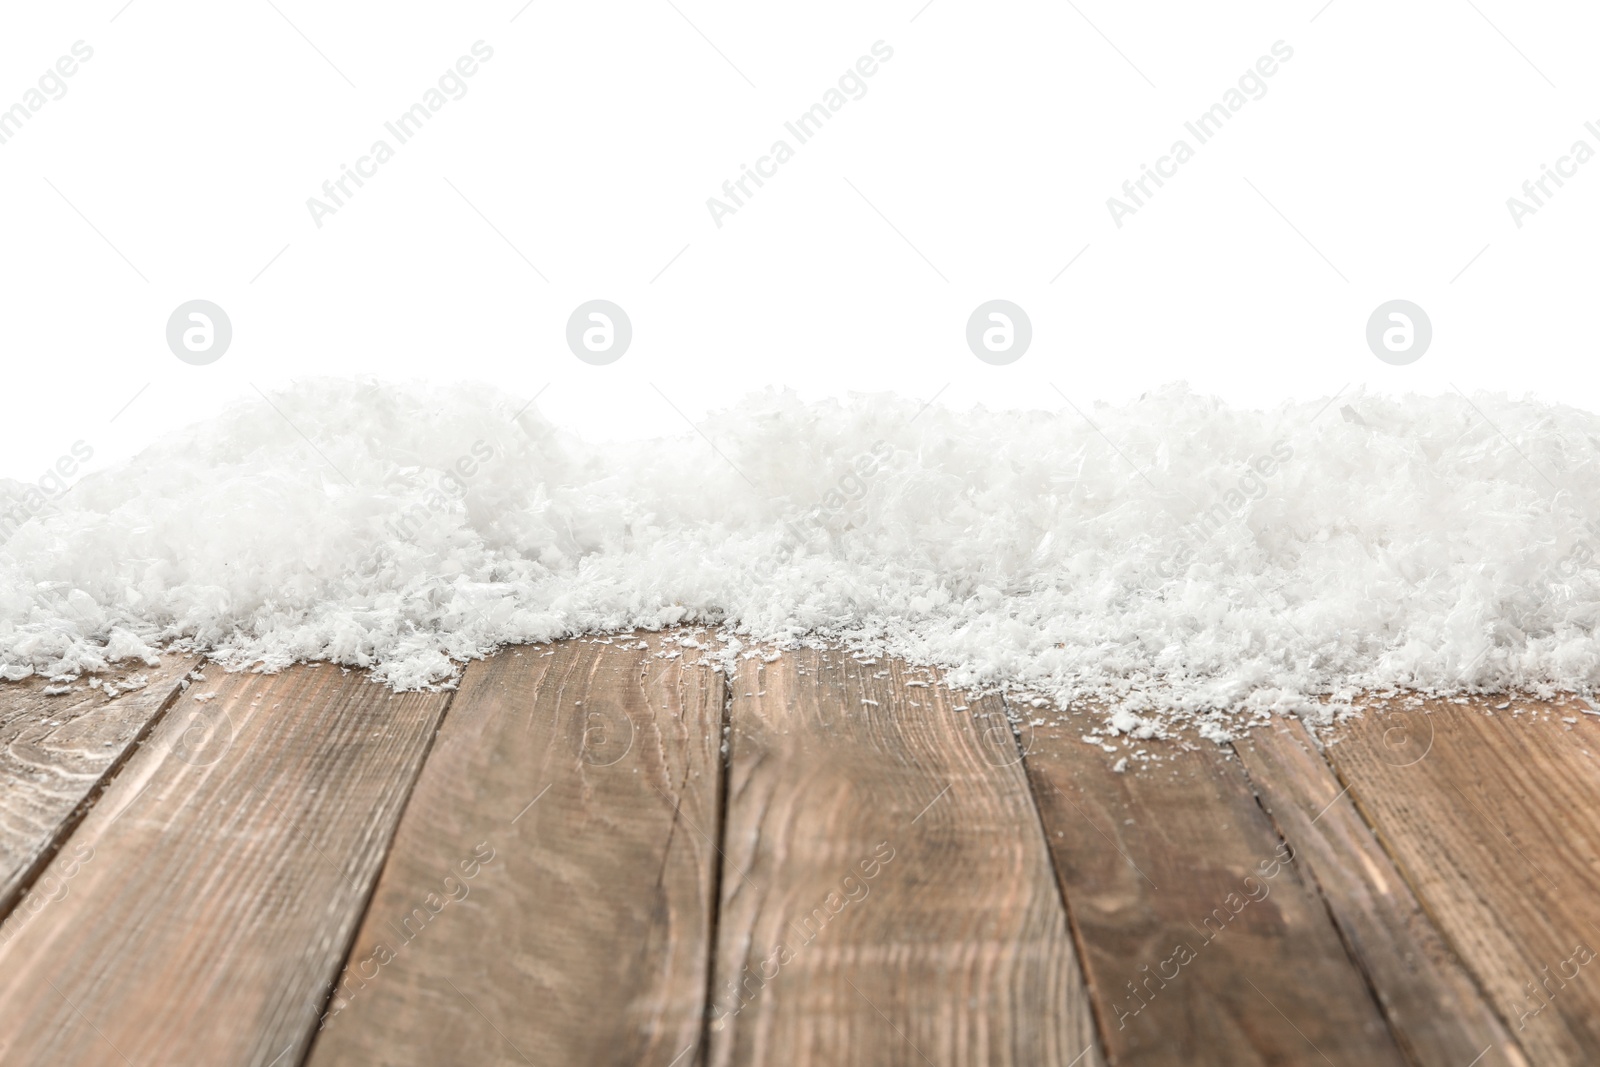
x=1438 y=1014
x=1202 y=941
x=549 y=895
x=58 y=749
x=886 y=893
x=1494 y=817
x=209 y=896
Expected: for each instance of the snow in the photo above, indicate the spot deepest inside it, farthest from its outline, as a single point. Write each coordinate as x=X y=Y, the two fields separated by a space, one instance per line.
x=1355 y=544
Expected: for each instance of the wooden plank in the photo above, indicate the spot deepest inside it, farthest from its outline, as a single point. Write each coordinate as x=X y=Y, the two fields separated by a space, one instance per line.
x=1202 y=942
x=1437 y=1013
x=210 y=894
x=886 y=894
x=581 y=782
x=57 y=750
x=1494 y=817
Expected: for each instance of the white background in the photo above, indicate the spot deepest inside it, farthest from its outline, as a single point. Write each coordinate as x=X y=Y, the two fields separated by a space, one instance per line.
x=592 y=139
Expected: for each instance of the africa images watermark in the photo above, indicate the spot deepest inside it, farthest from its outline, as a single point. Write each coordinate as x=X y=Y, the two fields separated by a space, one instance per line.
x=448 y=490
x=1203 y=128
x=1566 y=167
x=1541 y=993
x=799 y=530
x=52 y=82
x=49 y=487
x=807 y=126
x=1234 y=502
x=45 y=892
x=406 y=126
x=1581 y=555
x=742 y=989
x=358 y=973
x=1256 y=889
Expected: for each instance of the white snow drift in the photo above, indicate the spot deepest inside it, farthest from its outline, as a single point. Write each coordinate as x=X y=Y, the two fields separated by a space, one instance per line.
x=1176 y=556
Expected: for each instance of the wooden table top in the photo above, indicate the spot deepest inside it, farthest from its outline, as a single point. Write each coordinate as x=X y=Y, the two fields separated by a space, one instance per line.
x=602 y=851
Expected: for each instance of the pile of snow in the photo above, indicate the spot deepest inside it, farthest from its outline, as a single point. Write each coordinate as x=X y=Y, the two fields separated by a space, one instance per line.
x=1174 y=557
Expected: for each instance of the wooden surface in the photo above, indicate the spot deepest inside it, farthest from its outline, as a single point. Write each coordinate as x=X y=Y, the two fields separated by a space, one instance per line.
x=589 y=773
x=211 y=893
x=864 y=868
x=1437 y=1012
x=1202 y=944
x=1495 y=820
x=886 y=893
x=57 y=750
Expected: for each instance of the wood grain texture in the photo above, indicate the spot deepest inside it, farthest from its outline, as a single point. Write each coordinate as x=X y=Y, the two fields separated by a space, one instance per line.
x=1438 y=1014
x=209 y=896
x=1202 y=941
x=578 y=930
x=886 y=893
x=1494 y=818
x=56 y=751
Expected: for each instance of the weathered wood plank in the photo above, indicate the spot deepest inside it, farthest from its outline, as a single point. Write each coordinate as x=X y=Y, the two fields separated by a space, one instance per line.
x=1202 y=942
x=57 y=750
x=886 y=894
x=1495 y=820
x=1437 y=1013
x=579 y=784
x=211 y=892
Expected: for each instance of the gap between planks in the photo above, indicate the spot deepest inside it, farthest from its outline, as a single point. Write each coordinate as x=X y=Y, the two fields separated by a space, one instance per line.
x=1437 y=1011
x=372 y=889
x=59 y=754
x=887 y=897
x=206 y=926
x=575 y=930
x=702 y=1054
x=1491 y=816
x=1189 y=910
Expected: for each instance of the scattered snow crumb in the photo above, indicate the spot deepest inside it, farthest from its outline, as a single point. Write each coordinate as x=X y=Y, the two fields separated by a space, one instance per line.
x=1121 y=765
